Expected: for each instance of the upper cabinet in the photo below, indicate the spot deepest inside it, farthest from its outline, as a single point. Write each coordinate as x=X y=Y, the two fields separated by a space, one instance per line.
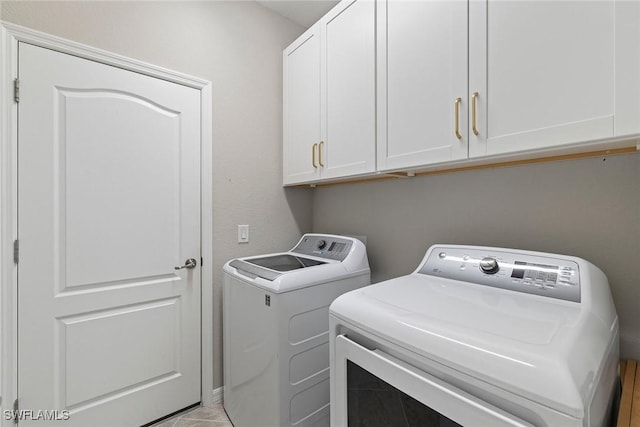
x=329 y=96
x=422 y=82
x=544 y=72
x=301 y=108
x=627 y=84
x=457 y=80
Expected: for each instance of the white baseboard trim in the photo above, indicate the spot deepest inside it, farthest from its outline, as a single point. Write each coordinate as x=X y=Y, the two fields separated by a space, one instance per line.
x=218 y=395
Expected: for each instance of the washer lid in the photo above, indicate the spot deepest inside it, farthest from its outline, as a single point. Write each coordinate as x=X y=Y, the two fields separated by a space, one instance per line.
x=316 y=259
x=272 y=266
x=519 y=342
x=284 y=262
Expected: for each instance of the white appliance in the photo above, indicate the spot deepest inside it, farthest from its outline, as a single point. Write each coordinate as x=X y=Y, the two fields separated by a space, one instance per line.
x=477 y=336
x=276 y=329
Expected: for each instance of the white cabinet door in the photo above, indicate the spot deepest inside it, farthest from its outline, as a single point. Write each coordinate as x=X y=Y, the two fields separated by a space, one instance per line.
x=627 y=67
x=349 y=91
x=108 y=205
x=544 y=73
x=301 y=108
x=422 y=63
x=329 y=96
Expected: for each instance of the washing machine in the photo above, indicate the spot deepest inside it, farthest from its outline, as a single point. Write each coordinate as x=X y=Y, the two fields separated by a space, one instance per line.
x=276 y=329
x=477 y=336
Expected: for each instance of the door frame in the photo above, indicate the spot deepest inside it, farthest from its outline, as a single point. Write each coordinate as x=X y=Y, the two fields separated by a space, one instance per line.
x=10 y=36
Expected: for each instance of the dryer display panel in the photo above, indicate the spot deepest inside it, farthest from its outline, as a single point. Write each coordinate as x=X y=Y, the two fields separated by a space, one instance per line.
x=522 y=270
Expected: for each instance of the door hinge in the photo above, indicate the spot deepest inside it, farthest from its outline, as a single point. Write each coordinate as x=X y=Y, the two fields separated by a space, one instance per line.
x=16 y=411
x=16 y=251
x=16 y=90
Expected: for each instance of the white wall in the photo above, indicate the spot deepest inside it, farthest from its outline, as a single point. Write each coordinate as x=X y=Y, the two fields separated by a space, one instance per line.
x=238 y=46
x=589 y=208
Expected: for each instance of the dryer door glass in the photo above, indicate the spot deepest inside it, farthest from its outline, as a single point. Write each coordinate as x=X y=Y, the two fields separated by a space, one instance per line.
x=374 y=403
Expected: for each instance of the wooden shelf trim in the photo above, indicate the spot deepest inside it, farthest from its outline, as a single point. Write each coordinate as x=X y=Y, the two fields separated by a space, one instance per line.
x=463 y=168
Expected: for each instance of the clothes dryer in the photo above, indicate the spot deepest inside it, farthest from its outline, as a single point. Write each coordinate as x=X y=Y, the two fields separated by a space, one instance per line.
x=477 y=336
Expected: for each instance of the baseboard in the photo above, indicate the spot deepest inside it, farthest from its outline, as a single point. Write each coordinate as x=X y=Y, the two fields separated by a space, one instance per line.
x=218 y=395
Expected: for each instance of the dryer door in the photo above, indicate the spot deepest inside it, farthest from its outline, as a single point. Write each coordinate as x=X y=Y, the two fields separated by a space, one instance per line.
x=366 y=378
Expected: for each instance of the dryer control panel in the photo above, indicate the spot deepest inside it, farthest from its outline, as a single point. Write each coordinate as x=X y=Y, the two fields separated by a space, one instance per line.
x=516 y=271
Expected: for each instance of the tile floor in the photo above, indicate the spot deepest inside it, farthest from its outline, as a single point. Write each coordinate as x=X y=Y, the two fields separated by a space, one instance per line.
x=198 y=417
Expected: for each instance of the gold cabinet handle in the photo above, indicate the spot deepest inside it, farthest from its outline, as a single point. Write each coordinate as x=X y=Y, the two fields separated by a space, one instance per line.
x=313 y=155
x=320 y=154
x=474 y=102
x=456 y=110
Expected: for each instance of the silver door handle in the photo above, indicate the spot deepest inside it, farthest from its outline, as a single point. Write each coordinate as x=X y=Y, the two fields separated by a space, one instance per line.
x=190 y=263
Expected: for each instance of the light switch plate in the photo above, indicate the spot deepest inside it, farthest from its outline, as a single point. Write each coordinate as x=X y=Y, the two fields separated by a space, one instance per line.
x=243 y=233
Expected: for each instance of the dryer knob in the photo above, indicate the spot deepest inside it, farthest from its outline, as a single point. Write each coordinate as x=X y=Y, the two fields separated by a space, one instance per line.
x=489 y=265
x=322 y=244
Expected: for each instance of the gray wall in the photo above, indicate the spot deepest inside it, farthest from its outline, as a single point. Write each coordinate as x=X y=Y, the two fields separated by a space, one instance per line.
x=589 y=208
x=238 y=46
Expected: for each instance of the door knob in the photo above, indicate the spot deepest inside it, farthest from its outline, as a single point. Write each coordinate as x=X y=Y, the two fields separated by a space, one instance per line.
x=190 y=263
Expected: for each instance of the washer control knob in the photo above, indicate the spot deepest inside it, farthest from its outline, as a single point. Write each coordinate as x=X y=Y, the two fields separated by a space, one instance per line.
x=322 y=244
x=489 y=265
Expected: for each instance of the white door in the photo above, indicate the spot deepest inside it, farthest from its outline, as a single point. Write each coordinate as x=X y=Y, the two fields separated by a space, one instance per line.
x=544 y=73
x=301 y=108
x=422 y=57
x=108 y=205
x=349 y=90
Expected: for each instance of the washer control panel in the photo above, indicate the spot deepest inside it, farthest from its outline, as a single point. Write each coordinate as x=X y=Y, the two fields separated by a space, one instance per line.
x=512 y=270
x=331 y=247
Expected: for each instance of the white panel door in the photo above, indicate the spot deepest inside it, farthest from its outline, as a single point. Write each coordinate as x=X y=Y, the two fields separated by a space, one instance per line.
x=423 y=70
x=349 y=104
x=108 y=205
x=544 y=72
x=301 y=108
